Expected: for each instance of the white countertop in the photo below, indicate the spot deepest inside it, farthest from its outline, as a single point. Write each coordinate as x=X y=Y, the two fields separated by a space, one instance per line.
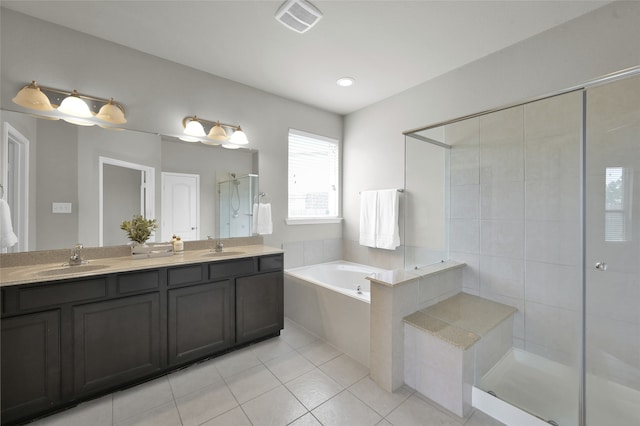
x=55 y=271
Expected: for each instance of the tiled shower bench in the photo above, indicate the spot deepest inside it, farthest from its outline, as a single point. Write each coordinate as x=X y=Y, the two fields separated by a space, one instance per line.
x=449 y=344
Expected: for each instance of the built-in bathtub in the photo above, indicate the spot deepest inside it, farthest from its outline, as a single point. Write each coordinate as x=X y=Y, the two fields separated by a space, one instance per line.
x=332 y=300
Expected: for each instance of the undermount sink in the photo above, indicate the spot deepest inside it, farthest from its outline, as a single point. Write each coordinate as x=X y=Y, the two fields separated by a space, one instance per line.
x=223 y=253
x=67 y=269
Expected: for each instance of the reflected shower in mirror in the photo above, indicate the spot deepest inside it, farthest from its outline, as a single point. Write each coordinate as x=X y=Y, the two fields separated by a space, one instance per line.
x=63 y=194
x=235 y=201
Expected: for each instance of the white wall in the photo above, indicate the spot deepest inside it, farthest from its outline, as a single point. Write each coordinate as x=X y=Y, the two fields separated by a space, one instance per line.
x=158 y=94
x=588 y=47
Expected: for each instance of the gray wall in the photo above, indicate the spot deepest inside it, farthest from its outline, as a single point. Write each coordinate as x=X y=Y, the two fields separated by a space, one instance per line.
x=158 y=94
x=57 y=181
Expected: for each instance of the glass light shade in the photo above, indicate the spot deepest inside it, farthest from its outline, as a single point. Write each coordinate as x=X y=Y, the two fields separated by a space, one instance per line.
x=230 y=146
x=75 y=106
x=239 y=138
x=78 y=122
x=188 y=139
x=208 y=142
x=194 y=128
x=111 y=113
x=31 y=97
x=217 y=133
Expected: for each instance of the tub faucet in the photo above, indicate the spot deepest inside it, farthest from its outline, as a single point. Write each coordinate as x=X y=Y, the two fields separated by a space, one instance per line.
x=76 y=255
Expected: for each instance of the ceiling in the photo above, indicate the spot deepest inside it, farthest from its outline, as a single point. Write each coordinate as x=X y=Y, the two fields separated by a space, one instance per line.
x=387 y=46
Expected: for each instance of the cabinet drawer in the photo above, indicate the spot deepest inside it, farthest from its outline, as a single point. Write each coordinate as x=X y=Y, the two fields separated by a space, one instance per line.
x=59 y=293
x=230 y=268
x=138 y=281
x=185 y=275
x=270 y=263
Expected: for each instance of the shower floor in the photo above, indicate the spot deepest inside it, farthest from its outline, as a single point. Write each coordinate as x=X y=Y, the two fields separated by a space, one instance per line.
x=549 y=391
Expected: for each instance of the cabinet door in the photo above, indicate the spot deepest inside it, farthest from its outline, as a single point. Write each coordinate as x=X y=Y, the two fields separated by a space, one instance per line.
x=115 y=341
x=30 y=363
x=259 y=306
x=201 y=321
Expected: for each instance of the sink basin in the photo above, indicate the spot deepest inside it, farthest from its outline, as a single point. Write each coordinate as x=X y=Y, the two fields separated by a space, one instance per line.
x=223 y=253
x=62 y=270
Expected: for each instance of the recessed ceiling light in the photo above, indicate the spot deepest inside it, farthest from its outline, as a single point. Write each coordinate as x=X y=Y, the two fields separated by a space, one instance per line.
x=345 y=81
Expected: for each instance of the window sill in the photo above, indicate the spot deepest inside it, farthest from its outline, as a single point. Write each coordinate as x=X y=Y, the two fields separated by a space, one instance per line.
x=312 y=220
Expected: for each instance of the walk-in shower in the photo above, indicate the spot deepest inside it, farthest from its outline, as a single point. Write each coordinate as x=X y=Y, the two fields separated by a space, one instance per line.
x=541 y=200
x=235 y=203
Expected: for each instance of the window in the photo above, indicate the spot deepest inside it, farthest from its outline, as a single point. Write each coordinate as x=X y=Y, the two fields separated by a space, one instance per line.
x=313 y=178
x=617 y=226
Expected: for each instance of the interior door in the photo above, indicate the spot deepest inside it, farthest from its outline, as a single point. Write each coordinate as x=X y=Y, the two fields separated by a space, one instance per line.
x=180 y=206
x=612 y=219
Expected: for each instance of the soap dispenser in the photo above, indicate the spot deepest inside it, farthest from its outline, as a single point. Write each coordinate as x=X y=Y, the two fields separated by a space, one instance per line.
x=178 y=244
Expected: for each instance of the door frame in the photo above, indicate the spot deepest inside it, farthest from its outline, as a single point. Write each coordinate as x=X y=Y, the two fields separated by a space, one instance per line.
x=147 y=184
x=20 y=188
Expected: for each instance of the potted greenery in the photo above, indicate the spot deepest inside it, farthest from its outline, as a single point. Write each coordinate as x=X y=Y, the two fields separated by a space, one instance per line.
x=139 y=230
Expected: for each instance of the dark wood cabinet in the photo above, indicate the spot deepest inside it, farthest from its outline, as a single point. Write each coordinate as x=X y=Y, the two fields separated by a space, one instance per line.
x=74 y=339
x=259 y=306
x=201 y=321
x=115 y=341
x=31 y=371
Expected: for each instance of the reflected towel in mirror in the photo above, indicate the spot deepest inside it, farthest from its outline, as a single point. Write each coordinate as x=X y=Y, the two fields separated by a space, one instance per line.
x=7 y=237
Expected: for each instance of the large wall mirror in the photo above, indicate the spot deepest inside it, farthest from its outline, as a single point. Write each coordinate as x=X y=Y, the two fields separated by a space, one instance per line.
x=69 y=184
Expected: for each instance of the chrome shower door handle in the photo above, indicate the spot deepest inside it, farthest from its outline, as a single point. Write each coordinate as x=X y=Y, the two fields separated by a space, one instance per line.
x=601 y=266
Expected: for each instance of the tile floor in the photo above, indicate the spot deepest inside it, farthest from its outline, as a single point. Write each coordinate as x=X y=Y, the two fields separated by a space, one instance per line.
x=294 y=379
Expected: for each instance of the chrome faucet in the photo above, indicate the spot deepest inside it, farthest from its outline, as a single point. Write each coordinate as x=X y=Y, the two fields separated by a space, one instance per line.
x=76 y=255
x=219 y=246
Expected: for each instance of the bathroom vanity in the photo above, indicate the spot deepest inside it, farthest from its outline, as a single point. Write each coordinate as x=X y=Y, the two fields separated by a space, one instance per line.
x=70 y=338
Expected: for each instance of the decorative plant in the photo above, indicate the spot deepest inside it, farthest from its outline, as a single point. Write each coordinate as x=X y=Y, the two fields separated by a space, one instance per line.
x=139 y=229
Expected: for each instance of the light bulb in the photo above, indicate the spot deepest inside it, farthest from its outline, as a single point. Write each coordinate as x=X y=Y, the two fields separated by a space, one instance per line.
x=194 y=128
x=75 y=106
x=238 y=137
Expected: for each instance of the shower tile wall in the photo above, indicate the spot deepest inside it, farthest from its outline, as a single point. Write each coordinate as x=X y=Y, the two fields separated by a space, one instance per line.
x=515 y=217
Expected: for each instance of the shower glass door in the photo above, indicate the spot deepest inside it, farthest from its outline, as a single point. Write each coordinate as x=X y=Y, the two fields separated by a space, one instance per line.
x=612 y=253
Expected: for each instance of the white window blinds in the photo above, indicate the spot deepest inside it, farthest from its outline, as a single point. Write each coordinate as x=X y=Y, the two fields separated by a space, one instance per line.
x=313 y=176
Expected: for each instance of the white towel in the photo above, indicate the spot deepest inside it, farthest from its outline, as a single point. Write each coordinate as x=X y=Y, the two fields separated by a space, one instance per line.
x=368 y=217
x=7 y=236
x=262 y=224
x=387 y=230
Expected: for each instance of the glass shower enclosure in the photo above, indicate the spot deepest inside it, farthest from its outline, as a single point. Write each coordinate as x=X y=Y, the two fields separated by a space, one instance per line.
x=235 y=205
x=543 y=206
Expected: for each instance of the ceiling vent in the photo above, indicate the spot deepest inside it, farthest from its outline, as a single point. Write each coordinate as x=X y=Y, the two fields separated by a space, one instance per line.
x=298 y=15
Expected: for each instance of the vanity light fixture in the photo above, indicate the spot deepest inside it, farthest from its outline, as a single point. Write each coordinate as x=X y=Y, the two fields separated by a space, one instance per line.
x=72 y=104
x=194 y=129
